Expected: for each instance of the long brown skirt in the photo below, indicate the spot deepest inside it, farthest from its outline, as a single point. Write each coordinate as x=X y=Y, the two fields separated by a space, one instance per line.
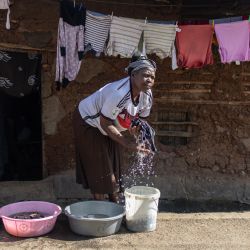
x=98 y=158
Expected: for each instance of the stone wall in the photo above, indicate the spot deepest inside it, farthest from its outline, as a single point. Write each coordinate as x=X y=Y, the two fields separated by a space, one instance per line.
x=214 y=159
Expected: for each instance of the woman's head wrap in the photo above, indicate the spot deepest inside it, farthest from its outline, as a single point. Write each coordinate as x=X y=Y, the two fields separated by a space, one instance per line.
x=139 y=62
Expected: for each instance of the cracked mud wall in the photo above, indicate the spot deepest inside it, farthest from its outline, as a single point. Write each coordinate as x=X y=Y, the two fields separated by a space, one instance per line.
x=216 y=99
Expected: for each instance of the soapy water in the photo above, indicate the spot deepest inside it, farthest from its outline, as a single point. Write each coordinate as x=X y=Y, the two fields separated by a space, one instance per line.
x=140 y=172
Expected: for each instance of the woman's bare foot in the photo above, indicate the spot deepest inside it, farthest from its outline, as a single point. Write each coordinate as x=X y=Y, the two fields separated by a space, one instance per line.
x=99 y=197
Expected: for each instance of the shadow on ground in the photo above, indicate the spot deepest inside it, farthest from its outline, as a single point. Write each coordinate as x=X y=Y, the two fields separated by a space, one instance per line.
x=189 y=206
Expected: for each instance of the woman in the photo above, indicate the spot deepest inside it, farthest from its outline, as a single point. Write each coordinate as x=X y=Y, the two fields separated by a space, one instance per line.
x=99 y=120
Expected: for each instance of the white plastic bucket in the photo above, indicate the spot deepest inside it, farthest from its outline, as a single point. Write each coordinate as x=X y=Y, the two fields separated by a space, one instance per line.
x=141 y=208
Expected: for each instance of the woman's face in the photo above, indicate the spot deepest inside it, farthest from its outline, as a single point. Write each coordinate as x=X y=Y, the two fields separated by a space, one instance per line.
x=143 y=79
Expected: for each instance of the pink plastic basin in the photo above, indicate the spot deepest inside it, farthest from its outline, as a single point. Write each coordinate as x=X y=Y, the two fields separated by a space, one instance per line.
x=30 y=227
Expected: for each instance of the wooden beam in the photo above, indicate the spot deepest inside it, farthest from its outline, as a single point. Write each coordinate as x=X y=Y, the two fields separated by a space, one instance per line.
x=245 y=73
x=200 y=102
x=189 y=91
x=206 y=14
x=11 y=20
x=186 y=82
x=176 y=72
x=246 y=83
x=23 y=47
x=174 y=133
x=175 y=123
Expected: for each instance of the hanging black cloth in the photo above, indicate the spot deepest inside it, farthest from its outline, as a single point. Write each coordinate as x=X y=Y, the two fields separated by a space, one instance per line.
x=20 y=73
x=72 y=13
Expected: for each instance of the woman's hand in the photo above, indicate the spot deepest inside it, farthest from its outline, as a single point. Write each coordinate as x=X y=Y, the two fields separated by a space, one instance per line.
x=114 y=134
x=138 y=148
x=135 y=130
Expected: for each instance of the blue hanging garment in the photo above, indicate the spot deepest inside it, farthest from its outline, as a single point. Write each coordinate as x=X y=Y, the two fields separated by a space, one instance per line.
x=147 y=133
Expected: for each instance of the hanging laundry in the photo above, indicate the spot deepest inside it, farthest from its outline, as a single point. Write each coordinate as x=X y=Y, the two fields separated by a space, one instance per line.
x=146 y=133
x=159 y=39
x=174 y=58
x=72 y=13
x=245 y=18
x=193 y=44
x=193 y=22
x=124 y=36
x=70 y=41
x=141 y=45
x=162 y=22
x=225 y=20
x=20 y=73
x=233 y=39
x=249 y=44
x=96 y=32
x=5 y=5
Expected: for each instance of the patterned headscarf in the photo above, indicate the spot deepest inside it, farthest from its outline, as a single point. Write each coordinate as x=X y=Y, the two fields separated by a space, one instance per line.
x=140 y=64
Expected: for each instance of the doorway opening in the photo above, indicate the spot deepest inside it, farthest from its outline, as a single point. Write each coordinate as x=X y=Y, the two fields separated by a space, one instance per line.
x=21 y=137
x=20 y=116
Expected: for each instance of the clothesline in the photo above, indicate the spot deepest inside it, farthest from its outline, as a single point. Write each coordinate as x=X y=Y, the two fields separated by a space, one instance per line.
x=133 y=4
x=189 y=45
x=154 y=5
x=21 y=47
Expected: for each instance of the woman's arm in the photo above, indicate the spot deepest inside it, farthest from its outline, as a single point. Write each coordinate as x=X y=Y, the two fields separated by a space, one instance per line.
x=111 y=130
x=114 y=134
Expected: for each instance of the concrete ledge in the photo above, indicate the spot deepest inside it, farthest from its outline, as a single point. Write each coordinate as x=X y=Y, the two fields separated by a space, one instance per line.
x=173 y=186
x=198 y=186
x=14 y=191
x=65 y=187
x=204 y=216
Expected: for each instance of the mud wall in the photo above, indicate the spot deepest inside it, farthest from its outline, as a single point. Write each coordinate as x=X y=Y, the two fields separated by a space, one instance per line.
x=202 y=116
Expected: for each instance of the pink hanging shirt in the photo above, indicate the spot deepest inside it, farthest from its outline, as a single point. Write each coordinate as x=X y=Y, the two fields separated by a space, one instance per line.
x=233 y=39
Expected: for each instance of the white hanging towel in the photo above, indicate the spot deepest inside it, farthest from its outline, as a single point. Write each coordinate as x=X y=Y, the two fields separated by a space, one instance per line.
x=174 y=58
x=159 y=39
x=5 y=5
x=96 y=31
x=124 y=37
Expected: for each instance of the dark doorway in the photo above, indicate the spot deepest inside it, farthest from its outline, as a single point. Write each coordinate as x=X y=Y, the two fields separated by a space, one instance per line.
x=20 y=116
x=21 y=142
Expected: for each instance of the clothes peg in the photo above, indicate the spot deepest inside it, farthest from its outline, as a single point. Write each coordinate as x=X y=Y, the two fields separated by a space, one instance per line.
x=112 y=15
x=146 y=20
x=213 y=22
x=176 y=27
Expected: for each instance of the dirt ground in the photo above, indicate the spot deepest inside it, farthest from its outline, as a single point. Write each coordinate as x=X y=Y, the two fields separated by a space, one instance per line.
x=178 y=227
